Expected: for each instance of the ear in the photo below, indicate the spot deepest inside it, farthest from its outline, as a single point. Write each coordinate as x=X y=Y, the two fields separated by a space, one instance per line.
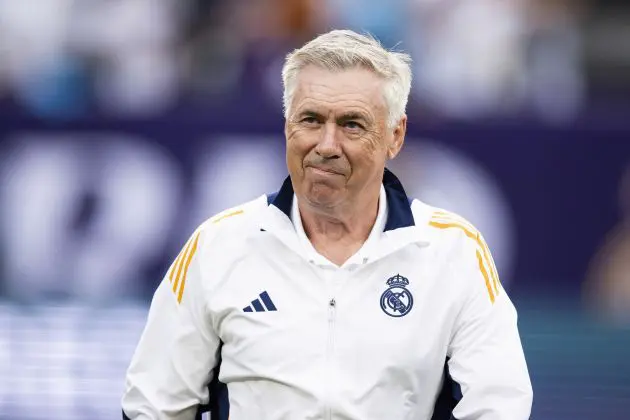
x=397 y=139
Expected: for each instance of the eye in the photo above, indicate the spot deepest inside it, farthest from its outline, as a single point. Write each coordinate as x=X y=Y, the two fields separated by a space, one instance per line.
x=353 y=125
x=309 y=120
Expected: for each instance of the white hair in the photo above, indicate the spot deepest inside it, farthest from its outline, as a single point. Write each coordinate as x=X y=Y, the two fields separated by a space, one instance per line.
x=344 y=49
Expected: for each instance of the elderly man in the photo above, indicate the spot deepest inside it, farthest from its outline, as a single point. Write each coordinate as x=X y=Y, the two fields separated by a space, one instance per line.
x=337 y=297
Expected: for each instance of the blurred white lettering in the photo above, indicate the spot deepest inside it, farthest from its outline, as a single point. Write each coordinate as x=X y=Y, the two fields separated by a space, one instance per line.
x=81 y=217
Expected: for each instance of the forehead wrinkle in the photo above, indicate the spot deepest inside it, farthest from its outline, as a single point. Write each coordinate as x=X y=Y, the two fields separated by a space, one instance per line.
x=334 y=108
x=368 y=91
x=338 y=107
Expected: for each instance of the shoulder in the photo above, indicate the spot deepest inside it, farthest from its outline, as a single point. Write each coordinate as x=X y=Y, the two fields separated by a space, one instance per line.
x=446 y=228
x=234 y=222
x=460 y=244
x=222 y=234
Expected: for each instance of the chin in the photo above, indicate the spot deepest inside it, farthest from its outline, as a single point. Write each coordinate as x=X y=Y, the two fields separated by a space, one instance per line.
x=322 y=196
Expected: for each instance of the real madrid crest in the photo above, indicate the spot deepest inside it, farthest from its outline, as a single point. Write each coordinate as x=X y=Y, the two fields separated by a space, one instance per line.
x=397 y=301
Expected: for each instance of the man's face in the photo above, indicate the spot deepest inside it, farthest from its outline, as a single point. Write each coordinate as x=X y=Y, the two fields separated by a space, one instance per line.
x=337 y=136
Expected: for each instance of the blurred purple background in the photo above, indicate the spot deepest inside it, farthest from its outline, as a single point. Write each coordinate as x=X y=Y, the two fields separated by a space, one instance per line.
x=125 y=124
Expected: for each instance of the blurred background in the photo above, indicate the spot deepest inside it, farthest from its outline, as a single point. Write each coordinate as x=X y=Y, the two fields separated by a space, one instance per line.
x=126 y=123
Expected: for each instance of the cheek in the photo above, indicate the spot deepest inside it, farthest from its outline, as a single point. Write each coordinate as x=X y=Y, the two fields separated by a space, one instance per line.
x=370 y=148
x=369 y=151
x=296 y=151
x=366 y=159
x=297 y=140
x=292 y=156
x=302 y=142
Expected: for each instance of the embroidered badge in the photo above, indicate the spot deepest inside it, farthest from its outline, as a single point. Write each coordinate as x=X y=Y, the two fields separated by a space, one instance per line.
x=397 y=301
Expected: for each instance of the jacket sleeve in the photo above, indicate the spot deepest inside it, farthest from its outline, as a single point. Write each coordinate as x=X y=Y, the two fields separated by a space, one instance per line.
x=172 y=364
x=485 y=356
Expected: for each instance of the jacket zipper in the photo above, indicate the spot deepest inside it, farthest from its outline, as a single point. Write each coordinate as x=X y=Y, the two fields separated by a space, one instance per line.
x=332 y=306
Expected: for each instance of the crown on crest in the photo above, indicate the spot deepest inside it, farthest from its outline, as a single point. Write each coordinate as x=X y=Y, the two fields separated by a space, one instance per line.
x=397 y=280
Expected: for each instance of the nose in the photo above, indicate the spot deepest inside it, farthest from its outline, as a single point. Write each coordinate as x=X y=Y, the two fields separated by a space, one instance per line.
x=329 y=146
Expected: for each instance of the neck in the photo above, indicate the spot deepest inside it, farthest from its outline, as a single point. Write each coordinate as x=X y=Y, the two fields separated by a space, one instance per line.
x=338 y=233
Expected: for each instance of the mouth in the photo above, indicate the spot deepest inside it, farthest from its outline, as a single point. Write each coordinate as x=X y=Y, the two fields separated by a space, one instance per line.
x=324 y=171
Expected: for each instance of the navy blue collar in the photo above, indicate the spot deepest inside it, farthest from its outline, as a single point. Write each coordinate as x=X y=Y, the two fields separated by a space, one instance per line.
x=399 y=205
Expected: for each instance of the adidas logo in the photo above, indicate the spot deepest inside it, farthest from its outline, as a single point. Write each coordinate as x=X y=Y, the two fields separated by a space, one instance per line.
x=257 y=306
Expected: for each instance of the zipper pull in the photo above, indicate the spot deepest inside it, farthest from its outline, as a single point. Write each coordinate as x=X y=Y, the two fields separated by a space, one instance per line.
x=331 y=310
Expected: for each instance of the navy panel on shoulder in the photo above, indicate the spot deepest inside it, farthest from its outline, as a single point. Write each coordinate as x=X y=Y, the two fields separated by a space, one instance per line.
x=271 y=197
x=449 y=396
x=219 y=403
x=283 y=199
x=399 y=213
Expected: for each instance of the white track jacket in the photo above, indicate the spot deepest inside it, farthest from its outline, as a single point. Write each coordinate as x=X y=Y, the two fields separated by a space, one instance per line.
x=251 y=323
